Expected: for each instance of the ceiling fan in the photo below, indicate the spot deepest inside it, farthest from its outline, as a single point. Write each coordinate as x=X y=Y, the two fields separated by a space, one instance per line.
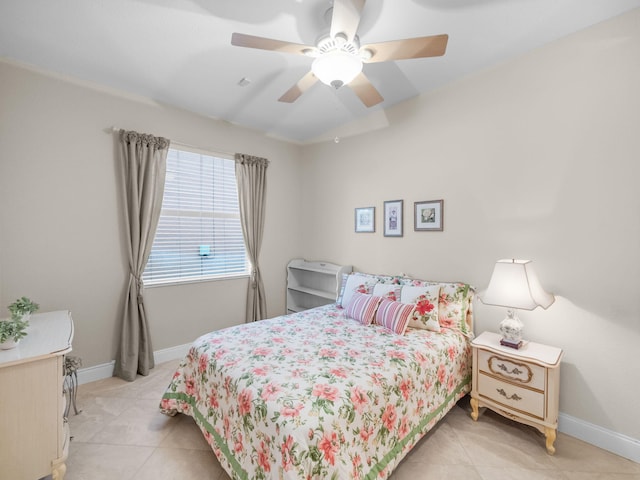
x=339 y=57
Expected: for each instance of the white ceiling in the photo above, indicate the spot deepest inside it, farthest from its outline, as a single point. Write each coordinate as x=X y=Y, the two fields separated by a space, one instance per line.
x=178 y=51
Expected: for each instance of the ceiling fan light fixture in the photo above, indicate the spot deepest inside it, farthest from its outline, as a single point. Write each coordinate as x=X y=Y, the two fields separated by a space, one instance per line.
x=336 y=67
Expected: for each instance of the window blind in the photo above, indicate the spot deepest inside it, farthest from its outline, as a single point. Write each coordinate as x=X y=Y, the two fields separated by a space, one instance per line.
x=199 y=235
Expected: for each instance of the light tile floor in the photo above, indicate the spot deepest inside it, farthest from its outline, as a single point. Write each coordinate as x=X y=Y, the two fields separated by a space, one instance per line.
x=121 y=434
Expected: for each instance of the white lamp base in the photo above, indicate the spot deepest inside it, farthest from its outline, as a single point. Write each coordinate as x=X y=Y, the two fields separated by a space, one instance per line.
x=511 y=329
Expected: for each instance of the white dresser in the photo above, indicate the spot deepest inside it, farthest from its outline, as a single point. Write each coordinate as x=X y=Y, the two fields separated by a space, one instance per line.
x=34 y=438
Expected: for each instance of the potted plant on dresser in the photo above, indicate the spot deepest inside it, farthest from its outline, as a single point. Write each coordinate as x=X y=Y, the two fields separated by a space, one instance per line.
x=22 y=309
x=15 y=328
x=11 y=331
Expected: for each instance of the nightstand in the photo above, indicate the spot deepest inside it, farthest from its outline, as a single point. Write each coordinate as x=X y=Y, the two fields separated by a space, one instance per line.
x=523 y=385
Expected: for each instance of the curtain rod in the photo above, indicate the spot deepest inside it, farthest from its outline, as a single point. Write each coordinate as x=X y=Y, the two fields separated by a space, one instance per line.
x=182 y=144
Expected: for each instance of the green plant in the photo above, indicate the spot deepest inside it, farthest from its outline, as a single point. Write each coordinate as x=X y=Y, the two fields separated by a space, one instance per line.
x=21 y=307
x=13 y=329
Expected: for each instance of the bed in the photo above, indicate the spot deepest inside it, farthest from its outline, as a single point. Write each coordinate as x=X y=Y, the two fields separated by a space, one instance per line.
x=338 y=391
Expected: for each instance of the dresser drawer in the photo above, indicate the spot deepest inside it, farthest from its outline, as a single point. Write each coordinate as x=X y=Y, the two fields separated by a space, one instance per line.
x=515 y=371
x=511 y=396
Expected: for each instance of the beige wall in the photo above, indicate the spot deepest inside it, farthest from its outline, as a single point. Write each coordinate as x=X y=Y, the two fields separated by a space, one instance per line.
x=538 y=158
x=60 y=239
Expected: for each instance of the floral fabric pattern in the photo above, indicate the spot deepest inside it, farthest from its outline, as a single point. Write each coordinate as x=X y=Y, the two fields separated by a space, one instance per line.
x=426 y=301
x=357 y=283
x=454 y=305
x=318 y=395
x=388 y=291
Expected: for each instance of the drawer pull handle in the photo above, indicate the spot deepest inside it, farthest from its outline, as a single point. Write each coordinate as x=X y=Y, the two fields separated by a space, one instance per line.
x=504 y=394
x=509 y=369
x=515 y=371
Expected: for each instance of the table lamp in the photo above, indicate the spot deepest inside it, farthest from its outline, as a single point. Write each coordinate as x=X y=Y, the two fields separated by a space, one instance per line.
x=514 y=284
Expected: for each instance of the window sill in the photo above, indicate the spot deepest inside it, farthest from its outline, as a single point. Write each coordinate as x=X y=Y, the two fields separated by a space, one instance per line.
x=170 y=283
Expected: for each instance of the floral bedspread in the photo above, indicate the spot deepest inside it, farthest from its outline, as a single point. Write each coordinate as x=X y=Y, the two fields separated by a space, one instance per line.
x=317 y=395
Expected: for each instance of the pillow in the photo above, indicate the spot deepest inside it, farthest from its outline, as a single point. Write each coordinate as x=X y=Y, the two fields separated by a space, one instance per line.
x=425 y=299
x=343 y=285
x=355 y=282
x=362 y=307
x=388 y=291
x=454 y=305
x=411 y=282
x=394 y=316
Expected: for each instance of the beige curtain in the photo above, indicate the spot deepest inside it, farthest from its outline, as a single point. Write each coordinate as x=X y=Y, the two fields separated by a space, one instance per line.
x=142 y=168
x=251 y=174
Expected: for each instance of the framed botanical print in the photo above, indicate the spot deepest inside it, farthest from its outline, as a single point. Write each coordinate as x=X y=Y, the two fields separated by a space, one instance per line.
x=429 y=216
x=365 y=220
x=393 y=218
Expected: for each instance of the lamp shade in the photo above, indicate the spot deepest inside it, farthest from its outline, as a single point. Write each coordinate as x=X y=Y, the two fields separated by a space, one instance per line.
x=336 y=67
x=514 y=284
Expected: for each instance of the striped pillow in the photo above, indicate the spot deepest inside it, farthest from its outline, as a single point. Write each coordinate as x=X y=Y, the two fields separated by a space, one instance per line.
x=394 y=316
x=362 y=307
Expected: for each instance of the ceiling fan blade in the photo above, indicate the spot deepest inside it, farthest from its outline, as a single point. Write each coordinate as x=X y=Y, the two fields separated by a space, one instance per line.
x=419 y=47
x=299 y=88
x=365 y=90
x=346 y=17
x=250 y=41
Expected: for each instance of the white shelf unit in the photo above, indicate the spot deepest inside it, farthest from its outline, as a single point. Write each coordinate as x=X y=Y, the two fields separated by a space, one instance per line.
x=312 y=284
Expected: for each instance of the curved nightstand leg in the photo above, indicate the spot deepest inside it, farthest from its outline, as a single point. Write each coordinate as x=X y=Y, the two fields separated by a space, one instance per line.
x=474 y=408
x=59 y=471
x=550 y=433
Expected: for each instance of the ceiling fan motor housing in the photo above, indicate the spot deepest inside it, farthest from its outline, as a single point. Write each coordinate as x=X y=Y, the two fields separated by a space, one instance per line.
x=339 y=42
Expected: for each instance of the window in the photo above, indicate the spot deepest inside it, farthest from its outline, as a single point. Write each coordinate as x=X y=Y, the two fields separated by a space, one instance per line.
x=199 y=236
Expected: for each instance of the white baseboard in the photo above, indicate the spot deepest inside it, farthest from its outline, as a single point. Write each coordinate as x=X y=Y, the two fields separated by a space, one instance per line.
x=105 y=370
x=97 y=372
x=171 y=353
x=613 y=442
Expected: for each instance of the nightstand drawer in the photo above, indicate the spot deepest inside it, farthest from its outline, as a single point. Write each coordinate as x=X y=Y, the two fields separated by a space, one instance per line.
x=514 y=371
x=511 y=396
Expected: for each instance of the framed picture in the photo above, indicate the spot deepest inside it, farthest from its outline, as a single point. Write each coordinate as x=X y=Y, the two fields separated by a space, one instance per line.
x=429 y=215
x=393 y=218
x=366 y=220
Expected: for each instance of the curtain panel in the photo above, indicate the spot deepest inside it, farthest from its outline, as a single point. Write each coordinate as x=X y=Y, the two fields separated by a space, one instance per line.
x=251 y=175
x=142 y=162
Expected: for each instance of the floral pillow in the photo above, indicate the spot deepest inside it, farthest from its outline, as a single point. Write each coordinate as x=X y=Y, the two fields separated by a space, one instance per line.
x=394 y=316
x=454 y=305
x=388 y=291
x=355 y=282
x=362 y=307
x=425 y=299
